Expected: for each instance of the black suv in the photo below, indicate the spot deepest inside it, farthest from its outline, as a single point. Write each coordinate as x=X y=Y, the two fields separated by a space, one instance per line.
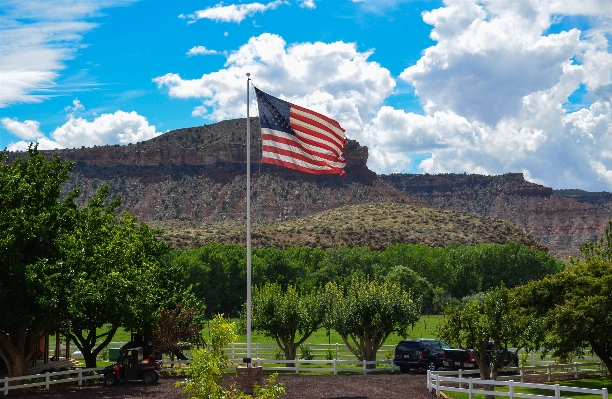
x=419 y=353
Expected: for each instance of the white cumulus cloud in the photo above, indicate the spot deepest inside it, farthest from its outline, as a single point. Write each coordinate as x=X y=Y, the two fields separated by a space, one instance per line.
x=332 y=78
x=26 y=130
x=117 y=128
x=495 y=90
x=231 y=13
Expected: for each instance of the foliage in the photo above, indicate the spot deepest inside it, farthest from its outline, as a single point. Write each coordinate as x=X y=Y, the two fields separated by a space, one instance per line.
x=499 y=319
x=437 y=275
x=290 y=317
x=306 y=353
x=375 y=225
x=208 y=364
x=117 y=274
x=32 y=219
x=367 y=312
x=577 y=303
x=174 y=328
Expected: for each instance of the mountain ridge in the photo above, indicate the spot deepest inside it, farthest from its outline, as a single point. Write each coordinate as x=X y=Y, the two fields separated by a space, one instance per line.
x=198 y=174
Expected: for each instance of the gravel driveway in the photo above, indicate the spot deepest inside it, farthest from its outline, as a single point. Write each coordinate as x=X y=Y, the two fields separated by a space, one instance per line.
x=380 y=386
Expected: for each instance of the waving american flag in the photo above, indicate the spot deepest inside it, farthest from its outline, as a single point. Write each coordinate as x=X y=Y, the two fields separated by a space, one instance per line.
x=298 y=138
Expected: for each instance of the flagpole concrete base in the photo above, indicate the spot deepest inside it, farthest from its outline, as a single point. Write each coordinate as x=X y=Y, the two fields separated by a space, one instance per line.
x=247 y=376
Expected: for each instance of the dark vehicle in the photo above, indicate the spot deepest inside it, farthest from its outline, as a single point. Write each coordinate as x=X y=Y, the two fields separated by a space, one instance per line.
x=419 y=353
x=455 y=359
x=132 y=366
x=508 y=358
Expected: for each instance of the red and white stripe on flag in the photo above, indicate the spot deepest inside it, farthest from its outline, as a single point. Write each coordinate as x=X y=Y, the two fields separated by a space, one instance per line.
x=316 y=147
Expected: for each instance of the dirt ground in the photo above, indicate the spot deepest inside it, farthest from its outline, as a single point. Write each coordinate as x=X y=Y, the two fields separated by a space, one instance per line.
x=380 y=386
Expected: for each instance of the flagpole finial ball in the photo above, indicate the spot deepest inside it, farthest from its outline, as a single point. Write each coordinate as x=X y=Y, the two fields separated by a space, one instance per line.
x=248 y=74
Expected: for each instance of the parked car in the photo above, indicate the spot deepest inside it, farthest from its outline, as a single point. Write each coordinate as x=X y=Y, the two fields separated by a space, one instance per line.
x=509 y=358
x=455 y=359
x=462 y=359
x=419 y=353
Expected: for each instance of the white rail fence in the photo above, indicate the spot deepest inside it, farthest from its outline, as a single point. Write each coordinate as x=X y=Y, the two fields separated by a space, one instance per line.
x=454 y=381
x=48 y=379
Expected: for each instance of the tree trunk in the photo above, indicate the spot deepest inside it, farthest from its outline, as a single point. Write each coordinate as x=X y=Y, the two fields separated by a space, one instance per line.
x=87 y=345
x=289 y=350
x=18 y=346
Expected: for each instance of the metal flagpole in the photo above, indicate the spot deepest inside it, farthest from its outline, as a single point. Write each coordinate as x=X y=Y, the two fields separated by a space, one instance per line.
x=248 y=227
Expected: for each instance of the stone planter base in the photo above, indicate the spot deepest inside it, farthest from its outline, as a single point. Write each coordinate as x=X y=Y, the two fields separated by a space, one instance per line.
x=246 y=377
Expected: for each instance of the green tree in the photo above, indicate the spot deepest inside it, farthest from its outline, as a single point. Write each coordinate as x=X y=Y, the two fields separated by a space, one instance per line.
x=499 y=319
x=367 y=312
x=32 y=218
x=290 y=317
x=117 y=278
x=208 y=365
x=410 y=281
x=577 y=303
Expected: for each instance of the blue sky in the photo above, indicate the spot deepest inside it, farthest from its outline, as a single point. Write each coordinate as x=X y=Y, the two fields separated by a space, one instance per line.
x=484 y=87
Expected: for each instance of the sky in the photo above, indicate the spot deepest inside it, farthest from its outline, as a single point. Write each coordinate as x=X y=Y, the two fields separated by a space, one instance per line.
x=454 y=86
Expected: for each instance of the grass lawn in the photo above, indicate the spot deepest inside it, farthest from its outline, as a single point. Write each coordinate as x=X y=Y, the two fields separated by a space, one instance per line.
x=591 y=383
x=426 y=327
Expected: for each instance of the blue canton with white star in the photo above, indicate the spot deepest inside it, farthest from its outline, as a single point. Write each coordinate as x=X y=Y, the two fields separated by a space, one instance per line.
x=273 y=112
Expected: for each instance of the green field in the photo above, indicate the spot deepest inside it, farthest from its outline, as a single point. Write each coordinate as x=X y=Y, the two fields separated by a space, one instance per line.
x=426 y=327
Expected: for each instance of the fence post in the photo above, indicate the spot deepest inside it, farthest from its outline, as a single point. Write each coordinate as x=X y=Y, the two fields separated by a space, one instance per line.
x=522 y=374
x=601 y=368
x=256 y=349
x=532 y=358
x=461 y=377
x=429 y=380
x=297 y=366
x=364 y=367
x=336 y=351
x=335 y=366
x=6 y=385
x=548 y=371
x=80 y=377
x=575 y=370
x=557 y=391
x=232 y=347
x=47 y=378
x=438 y=385
x=511 y=388
x=604 y=393
x=471 y=389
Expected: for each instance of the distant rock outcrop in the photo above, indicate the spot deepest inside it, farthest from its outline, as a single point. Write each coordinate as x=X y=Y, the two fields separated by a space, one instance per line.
x=561 y=223
x=198 y=174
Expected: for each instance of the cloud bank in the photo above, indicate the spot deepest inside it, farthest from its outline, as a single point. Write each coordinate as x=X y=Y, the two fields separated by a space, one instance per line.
x=494 y=89
x=117 y=128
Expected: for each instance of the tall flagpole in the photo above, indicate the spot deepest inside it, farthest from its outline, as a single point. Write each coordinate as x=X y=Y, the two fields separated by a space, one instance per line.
x=248 y=229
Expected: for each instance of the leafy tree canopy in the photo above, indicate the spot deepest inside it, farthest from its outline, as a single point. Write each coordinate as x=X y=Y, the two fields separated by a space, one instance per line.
x=32 y=219
x=577 y=303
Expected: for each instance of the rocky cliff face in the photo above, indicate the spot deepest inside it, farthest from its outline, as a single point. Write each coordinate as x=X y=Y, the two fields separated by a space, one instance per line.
x=561 y=223
x=199 y=174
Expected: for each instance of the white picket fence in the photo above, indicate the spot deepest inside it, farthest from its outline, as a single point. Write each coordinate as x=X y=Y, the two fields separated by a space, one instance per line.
x=48 y=379
x=439 y=380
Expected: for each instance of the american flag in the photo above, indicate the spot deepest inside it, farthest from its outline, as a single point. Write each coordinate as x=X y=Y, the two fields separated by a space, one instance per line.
x=298 y=138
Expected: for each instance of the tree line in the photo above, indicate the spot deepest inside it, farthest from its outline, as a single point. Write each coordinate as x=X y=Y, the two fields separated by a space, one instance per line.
x=437 y=275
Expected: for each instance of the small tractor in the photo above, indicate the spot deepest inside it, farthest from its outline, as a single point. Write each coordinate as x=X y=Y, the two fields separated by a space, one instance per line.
x=132 y=366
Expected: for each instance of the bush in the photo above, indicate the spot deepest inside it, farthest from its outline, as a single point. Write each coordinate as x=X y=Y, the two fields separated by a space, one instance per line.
x=306 y=353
